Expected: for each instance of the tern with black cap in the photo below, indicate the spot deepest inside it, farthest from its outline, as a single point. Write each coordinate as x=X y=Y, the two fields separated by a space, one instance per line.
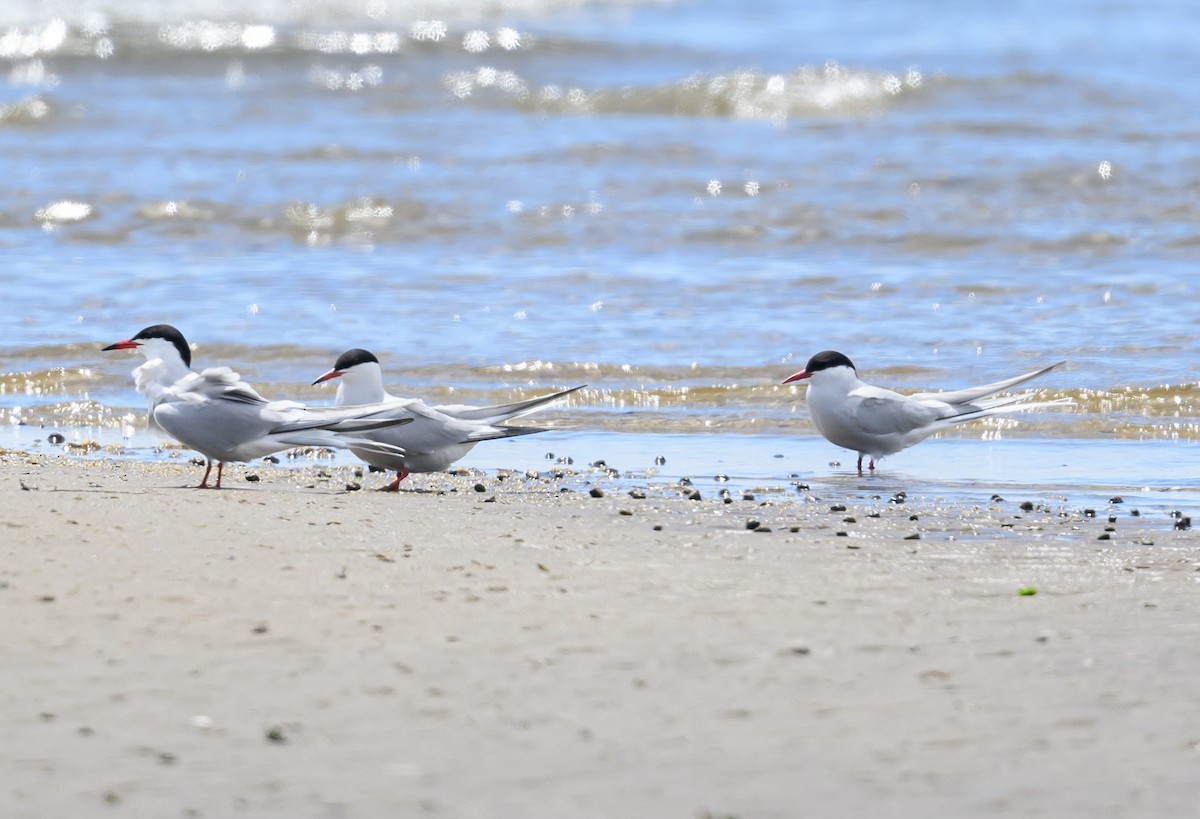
x=440 y=434
x=875 y=422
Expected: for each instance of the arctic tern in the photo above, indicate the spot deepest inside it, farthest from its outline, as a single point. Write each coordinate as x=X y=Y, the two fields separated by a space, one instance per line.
x=875 y=422
x=439 y=435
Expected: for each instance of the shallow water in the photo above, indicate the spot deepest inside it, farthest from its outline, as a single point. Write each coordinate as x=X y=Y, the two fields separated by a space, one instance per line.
x=676 y=203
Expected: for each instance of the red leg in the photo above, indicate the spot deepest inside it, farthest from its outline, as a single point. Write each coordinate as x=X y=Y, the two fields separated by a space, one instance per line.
x=394 y=486
x=221 y=468
x=860 y=465
x=872 y=466
x=207 y=469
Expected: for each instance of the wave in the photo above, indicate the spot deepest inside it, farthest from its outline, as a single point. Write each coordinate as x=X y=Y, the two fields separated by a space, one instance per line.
x=810 y=90
x=31 y=14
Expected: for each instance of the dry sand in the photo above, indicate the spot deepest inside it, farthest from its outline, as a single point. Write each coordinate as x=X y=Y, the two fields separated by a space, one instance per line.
x=287 y=648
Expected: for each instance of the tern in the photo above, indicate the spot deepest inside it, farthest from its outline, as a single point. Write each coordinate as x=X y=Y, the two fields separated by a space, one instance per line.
x=439 y=435
x=875 y=422
x=225 y=419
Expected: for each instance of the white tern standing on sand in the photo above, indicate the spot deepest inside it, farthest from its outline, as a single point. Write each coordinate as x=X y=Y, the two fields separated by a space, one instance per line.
x=225 y=419
x=439 y=435
x=876 y=422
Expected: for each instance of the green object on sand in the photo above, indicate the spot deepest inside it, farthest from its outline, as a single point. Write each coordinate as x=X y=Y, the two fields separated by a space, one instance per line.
x=1027 y=591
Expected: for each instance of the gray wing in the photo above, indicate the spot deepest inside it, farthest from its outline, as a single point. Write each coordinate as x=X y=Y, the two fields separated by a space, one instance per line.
x=882 y=412
x=970 y=394
x=502 y=412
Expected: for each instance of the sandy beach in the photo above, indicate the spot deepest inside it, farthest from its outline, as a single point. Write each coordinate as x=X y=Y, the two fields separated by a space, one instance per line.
x=479 y=647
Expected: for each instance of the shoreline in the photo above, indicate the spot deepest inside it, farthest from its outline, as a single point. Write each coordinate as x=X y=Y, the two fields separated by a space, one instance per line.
x=288 y=648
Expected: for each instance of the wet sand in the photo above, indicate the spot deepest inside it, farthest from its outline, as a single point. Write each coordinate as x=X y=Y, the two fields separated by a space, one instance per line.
x=287 y=648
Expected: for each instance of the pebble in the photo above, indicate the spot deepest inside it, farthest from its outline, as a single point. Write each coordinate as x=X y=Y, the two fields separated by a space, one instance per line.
x=637 y=494
x=480 y=487
x=596 y=492
x=752 y=524
x=253 y=478
x=695 y=495
x=56 y=438
x=1027 y=506
x=838 y=507
x=913 y=536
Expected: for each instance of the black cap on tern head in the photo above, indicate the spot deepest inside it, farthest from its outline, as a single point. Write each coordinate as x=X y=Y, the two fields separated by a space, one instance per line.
x=345 y=361
x=827 y=359
x=164 y=332
x=351 y=358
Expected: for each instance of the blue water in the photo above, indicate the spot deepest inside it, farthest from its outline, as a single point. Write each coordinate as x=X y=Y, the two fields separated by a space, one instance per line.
x=675 y=202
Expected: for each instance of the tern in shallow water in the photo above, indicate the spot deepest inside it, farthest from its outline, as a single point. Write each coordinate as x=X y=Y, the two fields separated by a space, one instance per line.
x=439 y=435
x=225 y=419
x=875 y=422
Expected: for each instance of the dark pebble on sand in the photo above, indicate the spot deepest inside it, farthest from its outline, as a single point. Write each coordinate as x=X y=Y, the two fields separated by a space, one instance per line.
x=837 y=507
x=914 y=517
x=747 y=496
x=1112 y=518
x=637 y=494
x=695 y=495
x=1089 y=513
x=1134 y=513
x=899 y=497
x=599 y=465
x=56 y=438
x=596 y=492
x=685 y=481
x=353 y=486
x=842 y=534
x=720 y=478
x=996 y=499
x=1117 y=499
x=657 y=527
x=850 y=520
x=480 y=487
x=913 y=536
x=627 y=513
x=271 y=459
x=1105 y=536
x=275 y=734
x=801 y=487
x=752 y=524
x=253 y=478
x=1027 y=506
